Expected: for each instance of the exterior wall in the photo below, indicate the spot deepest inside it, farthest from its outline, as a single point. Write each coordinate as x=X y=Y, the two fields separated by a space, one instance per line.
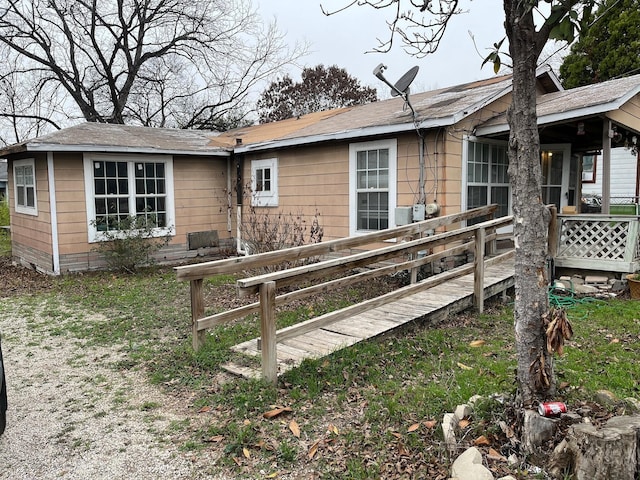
x=31 y=235
x=310 y=179
x=200 y=196
x=623 y=175
x=316 y=178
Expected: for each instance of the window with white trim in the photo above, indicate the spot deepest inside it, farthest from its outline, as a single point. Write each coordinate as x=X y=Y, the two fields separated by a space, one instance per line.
x=24 y=186
x=264 y=183
x=372 y=185
x=119 y=187
x=487 y=177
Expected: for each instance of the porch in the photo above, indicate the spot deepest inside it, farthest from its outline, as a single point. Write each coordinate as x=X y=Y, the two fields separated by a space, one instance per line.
x=608 y=243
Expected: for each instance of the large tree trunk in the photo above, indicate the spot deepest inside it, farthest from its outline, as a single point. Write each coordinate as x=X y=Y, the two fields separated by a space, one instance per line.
x=535 y=369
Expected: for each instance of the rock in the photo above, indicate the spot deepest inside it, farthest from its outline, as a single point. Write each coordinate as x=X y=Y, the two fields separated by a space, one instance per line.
x=605 y=397
x=462 y=411
x=584 y=289
x=596 y=280
x=468 y=466
x=632 y=405
x=570 y=418
x=513 y=460
x=449 y=423
x=537 y=430
x=473 y=400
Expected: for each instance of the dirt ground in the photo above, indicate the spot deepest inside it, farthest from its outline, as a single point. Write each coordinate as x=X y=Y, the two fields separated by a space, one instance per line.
x=72 y=415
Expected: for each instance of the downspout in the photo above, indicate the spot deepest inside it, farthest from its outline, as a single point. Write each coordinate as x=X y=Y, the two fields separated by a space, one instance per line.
x=239 y=198
x=55 y=246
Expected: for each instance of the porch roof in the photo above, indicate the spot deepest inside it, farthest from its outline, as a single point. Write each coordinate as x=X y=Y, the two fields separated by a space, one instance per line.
x=574 y=104
x=111 y=138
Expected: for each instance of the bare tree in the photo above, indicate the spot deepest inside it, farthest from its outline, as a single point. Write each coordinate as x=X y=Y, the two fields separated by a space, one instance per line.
x=526 y=42
x=181 y=63
x=22 y=114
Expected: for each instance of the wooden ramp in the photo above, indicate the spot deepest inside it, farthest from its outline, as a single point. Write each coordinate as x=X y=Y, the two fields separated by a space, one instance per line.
x=431 y=304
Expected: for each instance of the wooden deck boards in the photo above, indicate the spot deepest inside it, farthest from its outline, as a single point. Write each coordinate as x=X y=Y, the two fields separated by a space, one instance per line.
x=431 y=304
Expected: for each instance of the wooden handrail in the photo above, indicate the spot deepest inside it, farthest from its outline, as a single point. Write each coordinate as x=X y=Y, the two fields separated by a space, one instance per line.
x=474 y=239
x=238 y=264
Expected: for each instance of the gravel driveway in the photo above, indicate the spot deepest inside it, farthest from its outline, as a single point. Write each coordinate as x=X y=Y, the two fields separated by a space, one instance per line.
x=72 y=415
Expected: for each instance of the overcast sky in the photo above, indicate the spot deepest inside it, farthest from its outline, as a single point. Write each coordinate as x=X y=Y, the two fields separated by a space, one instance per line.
x=342 y=39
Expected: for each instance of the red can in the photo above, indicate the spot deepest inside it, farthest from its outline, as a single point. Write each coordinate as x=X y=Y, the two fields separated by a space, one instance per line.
x=552 y=409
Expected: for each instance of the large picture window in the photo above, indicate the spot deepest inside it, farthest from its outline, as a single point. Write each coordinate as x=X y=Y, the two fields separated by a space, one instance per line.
x=24 y=181
x=372 y=185
x=119 y=188
x=487 y=177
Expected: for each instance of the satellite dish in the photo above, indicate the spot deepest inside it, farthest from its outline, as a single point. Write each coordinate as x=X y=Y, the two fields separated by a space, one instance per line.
x=401 y=88
x=402 y=85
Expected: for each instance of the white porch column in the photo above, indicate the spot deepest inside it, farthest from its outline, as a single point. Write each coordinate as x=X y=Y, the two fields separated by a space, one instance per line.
x=606 y=165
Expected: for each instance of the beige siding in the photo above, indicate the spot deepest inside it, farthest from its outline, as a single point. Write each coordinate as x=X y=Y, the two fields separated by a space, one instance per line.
x=200 y=186
x=629 y=113
x=71 y=204
x=31 y=235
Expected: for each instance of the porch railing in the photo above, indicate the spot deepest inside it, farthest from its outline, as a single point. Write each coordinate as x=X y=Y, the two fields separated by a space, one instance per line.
x=599 y=242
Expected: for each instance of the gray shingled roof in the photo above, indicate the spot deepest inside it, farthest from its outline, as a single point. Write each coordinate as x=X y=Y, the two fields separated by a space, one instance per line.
x=575 y=103
x=103 y=137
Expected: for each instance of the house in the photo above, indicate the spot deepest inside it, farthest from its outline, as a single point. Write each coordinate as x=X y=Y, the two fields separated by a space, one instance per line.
x=3 y=179
x=362 y=168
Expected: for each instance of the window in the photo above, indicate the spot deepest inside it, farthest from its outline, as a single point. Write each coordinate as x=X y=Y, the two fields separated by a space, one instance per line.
x=372 y=173
x=264 y=183
x=118 y=187
x=24 y=181
x=487 y=177
x=589 y=168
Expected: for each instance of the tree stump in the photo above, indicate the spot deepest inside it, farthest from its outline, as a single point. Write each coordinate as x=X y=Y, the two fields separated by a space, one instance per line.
x=603 y=454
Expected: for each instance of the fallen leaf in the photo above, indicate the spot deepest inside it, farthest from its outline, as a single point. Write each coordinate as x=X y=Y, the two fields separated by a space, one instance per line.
x=295 y=428
x=477 y=343
x=430 y=423
x=615 y=340
x=215 y=439
x=464 y=367
x=413 y=427
x=272 y=475
x=396 y=434
x=276 y=411
x=403 y=451
x=313 y=450
x=563 y=385
x=333 y=429
x=246 y=422
x=481 y=440
x=205 y=409
x=464 y=423
x=246 y=452
x=237 y=460
x=495 y=455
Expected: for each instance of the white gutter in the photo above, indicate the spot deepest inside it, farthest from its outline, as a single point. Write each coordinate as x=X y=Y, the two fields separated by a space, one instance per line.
x=55 y=246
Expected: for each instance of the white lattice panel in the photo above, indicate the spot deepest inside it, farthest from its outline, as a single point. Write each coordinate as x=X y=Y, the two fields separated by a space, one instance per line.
x=602 y=240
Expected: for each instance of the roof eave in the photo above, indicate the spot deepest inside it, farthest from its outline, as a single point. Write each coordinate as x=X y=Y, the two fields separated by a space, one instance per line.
x=345 y=135
x=555 y=117
x=44 y=147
